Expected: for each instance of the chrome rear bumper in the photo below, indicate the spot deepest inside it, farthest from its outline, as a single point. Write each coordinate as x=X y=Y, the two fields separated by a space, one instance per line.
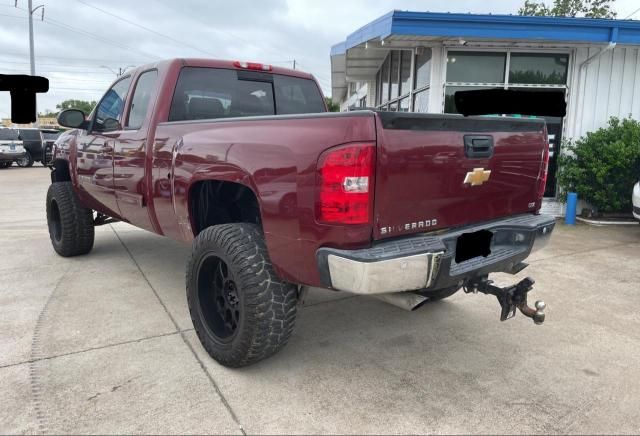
x=428 y=260
x=410 y=272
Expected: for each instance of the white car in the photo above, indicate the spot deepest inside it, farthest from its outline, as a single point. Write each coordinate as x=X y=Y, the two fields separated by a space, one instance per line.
x=11 y=148
x=635 y=198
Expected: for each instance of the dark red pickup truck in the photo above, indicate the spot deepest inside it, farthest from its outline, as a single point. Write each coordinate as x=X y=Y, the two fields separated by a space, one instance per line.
x=276 y=195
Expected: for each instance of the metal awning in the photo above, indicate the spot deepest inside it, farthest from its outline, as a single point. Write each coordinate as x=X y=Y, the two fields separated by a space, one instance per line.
x=360 y=55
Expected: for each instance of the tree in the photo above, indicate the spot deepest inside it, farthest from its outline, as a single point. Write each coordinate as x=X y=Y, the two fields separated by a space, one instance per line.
x=569 y=8
x=83 y=105
x=48 y=113
x=333 y=107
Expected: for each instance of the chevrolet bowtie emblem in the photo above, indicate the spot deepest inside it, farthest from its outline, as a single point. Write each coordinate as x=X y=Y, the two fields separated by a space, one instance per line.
x=477 y=177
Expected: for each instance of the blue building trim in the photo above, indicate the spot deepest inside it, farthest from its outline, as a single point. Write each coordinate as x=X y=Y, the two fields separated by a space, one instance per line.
x=494 y=27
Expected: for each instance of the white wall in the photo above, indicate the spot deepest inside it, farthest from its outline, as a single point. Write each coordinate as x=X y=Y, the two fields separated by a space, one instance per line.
x=608 y=86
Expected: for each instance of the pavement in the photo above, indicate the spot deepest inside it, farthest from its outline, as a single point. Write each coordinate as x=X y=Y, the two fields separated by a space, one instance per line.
x=104 y=344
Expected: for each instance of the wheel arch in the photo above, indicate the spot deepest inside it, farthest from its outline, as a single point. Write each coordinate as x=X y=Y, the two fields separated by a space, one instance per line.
x=60 y=171
x=213 y=201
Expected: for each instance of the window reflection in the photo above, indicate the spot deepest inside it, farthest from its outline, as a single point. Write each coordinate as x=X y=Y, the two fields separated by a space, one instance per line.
x=421 y=101
x=395 y=73
x=544 y=69
x=405 y=71
x=385 y=81
x=476 y=67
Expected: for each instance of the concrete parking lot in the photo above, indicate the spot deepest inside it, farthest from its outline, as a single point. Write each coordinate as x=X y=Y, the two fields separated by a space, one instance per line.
x=104 y=344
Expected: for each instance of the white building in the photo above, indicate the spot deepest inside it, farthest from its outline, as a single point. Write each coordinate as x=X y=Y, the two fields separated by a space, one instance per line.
x=415 y=61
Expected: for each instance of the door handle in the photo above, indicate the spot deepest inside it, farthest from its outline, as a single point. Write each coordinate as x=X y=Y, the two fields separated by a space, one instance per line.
x=478 y=146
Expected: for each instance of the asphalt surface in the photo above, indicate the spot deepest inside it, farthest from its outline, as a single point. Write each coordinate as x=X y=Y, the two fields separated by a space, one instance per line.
x=104 y=344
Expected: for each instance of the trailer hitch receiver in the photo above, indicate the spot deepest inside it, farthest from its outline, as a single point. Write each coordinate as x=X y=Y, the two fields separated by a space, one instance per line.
x=510 y=298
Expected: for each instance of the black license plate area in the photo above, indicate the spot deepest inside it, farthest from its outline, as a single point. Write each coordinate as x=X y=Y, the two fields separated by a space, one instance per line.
x=470 y=245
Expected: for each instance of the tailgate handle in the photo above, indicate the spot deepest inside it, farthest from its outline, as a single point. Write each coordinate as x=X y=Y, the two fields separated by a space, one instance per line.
x=477 y=146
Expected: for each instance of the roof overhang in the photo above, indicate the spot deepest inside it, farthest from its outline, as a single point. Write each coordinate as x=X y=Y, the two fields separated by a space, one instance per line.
x=360 y=55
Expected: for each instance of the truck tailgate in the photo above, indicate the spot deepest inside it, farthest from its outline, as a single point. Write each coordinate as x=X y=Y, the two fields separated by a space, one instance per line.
x=443 y=171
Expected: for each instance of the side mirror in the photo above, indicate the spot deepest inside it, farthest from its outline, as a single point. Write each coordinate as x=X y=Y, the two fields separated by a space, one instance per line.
x=111 y=124
x=73 y=118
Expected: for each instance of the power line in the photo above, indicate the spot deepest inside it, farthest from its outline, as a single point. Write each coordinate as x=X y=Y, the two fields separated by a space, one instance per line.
x=84 y=66
x=57 y=23
x=145 y=28
x=51 y=70
x=632 y=14
x=101 y=60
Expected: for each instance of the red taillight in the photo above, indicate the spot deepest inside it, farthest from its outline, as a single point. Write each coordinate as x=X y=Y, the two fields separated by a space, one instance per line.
x=252 y=66
x=544 y=171
x=345 y=184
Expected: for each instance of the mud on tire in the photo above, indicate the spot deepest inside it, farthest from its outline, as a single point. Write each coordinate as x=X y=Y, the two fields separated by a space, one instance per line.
x=70 y=223
x=242 y=312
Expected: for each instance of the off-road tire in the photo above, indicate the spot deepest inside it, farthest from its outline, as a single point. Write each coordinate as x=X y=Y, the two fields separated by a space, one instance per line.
x=440 y=294
x=25 y=162
x=70 y=223
x=266 y=305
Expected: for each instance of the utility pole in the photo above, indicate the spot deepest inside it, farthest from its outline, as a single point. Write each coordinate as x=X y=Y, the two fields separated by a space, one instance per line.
x=32 y=56
x=294 y=64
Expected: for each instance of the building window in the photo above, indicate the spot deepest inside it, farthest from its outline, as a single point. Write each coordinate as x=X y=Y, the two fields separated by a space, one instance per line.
x=384 y=79
x=539 y=69
x=405 y=71
x=476 y=67
x=449 y=102
x=469 y=70
x=423 y=68
x=395 y=74
x=393 y=81
x=353 y=88
x=378 y=88
x=421 y=101
x=403 y=105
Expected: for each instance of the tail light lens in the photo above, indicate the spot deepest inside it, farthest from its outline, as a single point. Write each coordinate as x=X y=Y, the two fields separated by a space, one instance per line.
x=544 y=170
x=345 y=178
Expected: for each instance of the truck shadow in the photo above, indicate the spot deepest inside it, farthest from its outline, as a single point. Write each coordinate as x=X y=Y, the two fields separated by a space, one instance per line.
x=343 y=325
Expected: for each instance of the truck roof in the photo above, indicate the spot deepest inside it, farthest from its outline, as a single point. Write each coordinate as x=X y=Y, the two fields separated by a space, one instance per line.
x=220 y=63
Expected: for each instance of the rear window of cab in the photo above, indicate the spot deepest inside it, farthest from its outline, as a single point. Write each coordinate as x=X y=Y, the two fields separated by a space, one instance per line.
x=206 y=93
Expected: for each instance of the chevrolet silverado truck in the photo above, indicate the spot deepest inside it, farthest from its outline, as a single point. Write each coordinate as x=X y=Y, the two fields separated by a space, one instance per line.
x=277 y=195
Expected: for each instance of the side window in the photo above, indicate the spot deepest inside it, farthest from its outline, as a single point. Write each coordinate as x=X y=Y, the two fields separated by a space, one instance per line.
x=109 y=111
x=297 y=96
x=141 y=98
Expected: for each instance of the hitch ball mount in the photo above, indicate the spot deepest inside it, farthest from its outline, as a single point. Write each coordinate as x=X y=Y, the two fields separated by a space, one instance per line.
x=509 y=297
